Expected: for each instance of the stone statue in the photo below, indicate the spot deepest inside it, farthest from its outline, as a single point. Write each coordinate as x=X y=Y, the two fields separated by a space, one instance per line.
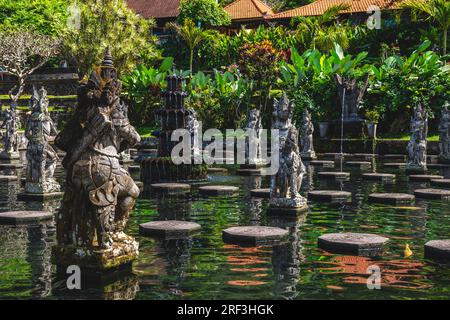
x=351 y=96
x=306 y=137
x=285 y=184
x=10 y=137
x=254 y=124
x=417 y=146
x=192 y=126
x=100 y=194
x=444 y=135
x=41 y=157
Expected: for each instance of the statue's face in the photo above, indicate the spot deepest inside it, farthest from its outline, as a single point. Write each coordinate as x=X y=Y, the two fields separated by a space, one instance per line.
x=108 y=74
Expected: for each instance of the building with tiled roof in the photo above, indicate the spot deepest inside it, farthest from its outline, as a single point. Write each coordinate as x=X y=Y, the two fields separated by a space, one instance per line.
x=161 y=10
x=248 y=10
x=318 y=7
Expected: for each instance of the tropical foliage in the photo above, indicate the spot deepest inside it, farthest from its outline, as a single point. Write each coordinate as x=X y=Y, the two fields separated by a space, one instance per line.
x=204 y=13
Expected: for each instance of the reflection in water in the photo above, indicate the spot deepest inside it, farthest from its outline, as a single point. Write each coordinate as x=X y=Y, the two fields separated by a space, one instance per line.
x=286 y=258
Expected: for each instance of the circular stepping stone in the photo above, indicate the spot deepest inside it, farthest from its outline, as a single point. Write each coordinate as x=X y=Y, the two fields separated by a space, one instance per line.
x=8 y=178
x=171 y=188
x=433 y=194
x=217 y=170
x=334 y=175
x=171 y=229
x=248 y=172
x=383 y=177
x=11 y=166
x=254 y=235
x=391 y=198
x=395 y=165
x=438 y=250
x=423 y=177
x=358 y=164
x=322 y=163
x=260 y=193
x=441 y=182
x=217 y=190
x=364 y=244
x=367 y=156
x=134 y=168
x=333 y=196
x=24 y=217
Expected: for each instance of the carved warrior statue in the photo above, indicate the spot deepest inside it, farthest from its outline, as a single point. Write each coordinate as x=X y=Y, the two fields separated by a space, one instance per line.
x=417 y=146
x=306 y=136
x=100 y=194
x=193 y=126
x=41 y=157
x=350 y=95
x=10 y=137
x=444 y=135
x=285 y=184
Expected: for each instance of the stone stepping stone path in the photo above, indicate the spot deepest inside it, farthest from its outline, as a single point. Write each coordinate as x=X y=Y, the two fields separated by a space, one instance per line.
x=438 y=250
x=432 y=194
x=254 y=235
x=391 y=198
x=169 y=229
x=395 y=157
x=382 y=177
x=395 y=165
x=4 y=178
x=359 y=164
x=366 y=156
x=24 y=217
x=217 y=170
x=441 y=183
x=260 y=193
x=334 y=175
x=322 y=163
x=217 y=190
x=361 y=244
x=423 y=177
x=248 y=172
x=333 y=196
x=437 y=166
x=171 y=188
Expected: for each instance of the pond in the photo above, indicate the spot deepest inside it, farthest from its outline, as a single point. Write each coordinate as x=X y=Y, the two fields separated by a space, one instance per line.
x=204 y=267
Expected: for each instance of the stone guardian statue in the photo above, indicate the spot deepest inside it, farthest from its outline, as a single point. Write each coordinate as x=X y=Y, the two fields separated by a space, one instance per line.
x=417 y=146
x=100 y=194
x=444 y=135
x=306 y=137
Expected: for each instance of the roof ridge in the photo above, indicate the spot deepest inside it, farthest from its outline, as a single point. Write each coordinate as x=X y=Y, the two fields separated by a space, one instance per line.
x=232 y=3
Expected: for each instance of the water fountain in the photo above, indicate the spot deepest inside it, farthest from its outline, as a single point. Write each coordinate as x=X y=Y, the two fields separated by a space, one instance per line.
x=173 y=116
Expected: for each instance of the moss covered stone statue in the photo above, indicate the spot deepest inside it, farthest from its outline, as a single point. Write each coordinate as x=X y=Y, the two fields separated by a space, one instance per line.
x=99 y=193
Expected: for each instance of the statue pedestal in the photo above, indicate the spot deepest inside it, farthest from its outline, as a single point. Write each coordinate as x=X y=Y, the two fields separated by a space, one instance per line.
x=9 y=155
x=415 y=169
x=96 y=259
x=287 y=206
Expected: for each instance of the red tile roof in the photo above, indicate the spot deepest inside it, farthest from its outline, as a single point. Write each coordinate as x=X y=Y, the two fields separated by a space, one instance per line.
x=320 y=6
x=155 y=8
x=248 y=10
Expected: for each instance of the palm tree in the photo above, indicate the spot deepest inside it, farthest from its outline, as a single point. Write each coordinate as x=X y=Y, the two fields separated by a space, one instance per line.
x=437 y=10
x=322 y=31
x=192 y=35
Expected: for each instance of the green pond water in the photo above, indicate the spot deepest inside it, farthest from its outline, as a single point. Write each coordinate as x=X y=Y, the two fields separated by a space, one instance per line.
x=204 y=267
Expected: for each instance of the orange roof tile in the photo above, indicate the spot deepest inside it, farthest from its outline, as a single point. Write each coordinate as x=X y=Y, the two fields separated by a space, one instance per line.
x=318 y=7
x=248 y=10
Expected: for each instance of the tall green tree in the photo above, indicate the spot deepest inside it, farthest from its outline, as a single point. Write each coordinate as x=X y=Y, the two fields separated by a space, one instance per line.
x=322 y=32
x=204 y=13
x=98 y=24
x=46 y=17
x=437 y=11
x=192 y=35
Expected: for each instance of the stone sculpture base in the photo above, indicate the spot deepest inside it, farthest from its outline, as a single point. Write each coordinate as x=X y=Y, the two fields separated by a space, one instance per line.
x=121 y=255
x=287 y=206
x=415 y=168
x=9 y=155
x=311 y=155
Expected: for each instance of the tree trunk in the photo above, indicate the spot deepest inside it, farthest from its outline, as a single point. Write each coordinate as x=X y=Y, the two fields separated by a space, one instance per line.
x=444 y=44
x=191 y=61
